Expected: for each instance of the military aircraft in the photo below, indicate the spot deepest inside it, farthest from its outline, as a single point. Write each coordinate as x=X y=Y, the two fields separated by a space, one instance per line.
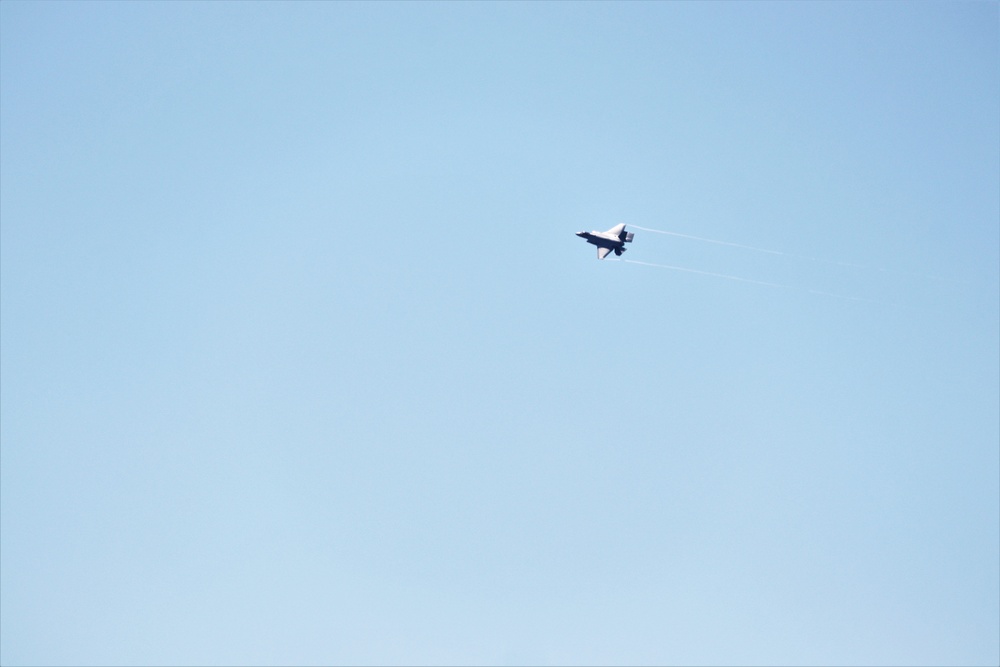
x=613 y=239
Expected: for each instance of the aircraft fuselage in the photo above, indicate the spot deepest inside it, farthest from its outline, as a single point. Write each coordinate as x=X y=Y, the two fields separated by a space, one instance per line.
x=612 y=240
x=603 y=240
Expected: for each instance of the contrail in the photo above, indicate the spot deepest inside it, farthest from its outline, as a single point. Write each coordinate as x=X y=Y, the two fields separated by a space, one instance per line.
x=755 y=248
x=833 y=262
x=707 y=273
x=744 y=280
x=716 y=241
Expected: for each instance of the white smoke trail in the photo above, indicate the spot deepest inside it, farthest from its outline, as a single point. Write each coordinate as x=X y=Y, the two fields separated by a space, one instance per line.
x=744 y=280
x=834 y=262
x=754 y=248
x=706 y=273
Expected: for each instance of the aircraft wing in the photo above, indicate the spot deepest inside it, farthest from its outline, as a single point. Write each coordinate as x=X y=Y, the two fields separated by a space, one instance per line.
x=616 y=230
x=603 y=252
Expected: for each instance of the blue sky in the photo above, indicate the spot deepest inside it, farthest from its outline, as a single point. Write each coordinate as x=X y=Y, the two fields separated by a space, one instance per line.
x=301 y=363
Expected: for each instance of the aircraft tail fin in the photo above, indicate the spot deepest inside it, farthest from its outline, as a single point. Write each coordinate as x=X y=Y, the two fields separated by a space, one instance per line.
x=623 y=236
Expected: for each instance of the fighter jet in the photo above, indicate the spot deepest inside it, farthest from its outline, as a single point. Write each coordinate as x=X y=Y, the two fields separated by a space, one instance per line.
x=613 y=239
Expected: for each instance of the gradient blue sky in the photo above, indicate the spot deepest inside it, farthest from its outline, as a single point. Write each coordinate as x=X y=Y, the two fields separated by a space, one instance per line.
x=302 y=363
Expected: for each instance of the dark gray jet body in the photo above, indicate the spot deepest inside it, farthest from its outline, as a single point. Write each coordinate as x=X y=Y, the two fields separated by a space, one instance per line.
x=613 y=240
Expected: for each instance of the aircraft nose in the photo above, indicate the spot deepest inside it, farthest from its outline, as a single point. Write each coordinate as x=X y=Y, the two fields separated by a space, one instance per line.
x=580 y=233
